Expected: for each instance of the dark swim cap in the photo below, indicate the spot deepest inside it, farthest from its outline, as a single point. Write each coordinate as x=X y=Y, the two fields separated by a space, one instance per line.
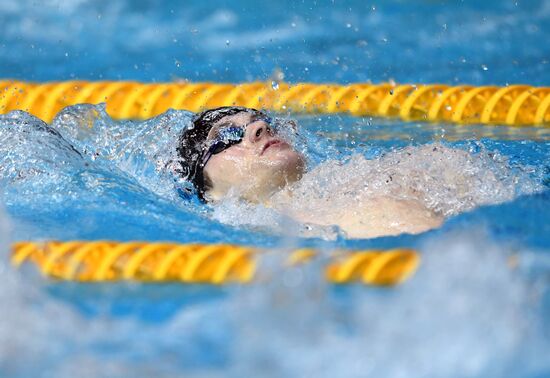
x=192 y=144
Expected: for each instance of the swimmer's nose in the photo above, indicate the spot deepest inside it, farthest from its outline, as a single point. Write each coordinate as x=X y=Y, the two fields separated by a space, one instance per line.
x=257 y=131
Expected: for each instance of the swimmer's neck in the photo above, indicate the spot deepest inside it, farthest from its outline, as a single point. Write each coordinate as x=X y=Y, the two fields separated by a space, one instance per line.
x=254 y=192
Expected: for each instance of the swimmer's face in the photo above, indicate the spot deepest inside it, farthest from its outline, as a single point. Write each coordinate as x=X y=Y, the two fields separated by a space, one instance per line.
x=259 y=165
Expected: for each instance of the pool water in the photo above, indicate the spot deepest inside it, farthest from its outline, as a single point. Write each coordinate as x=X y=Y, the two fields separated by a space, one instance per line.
x=477 y=307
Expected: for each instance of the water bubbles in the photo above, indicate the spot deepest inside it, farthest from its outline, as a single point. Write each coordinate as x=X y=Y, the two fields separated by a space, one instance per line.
x=274 y=85
x=66 y=54
x=348 y=25
x=278 y=75
x=177 y=63
x=484 y=67
x=293 y=24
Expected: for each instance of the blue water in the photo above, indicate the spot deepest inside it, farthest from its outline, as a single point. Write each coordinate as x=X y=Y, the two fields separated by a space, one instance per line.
x=493 y=42
x=478 y=306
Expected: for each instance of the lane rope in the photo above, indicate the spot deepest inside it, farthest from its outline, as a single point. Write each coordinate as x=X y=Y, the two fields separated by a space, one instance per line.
x=107 y=261
x=514 y=105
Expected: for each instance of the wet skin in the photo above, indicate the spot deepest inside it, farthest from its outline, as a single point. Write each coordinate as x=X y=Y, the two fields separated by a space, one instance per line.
x=259 y=165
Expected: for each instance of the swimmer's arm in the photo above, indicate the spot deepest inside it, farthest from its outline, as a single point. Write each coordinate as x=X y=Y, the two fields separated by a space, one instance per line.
x=384 y=216
x=380 y=216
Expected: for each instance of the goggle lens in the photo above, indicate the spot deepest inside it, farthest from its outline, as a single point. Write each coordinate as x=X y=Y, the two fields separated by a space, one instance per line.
x=231 y=134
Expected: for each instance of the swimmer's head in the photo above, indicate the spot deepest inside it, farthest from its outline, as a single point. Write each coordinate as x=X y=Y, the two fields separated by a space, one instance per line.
x=237 y=150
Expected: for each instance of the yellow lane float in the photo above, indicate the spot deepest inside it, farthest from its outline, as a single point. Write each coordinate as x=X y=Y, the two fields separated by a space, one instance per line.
x=513 y=105
x=107 y=261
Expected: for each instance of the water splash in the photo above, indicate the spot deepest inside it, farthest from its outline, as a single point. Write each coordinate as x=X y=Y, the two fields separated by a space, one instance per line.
x=447 y=180
x=82 y=168
x=143 y=150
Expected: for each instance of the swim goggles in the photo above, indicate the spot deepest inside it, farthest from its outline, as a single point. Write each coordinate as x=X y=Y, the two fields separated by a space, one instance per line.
x=230 y=135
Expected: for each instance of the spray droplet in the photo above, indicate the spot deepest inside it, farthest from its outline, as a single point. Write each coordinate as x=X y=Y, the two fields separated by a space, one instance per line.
x=484 y=67
x=274 y=85
x=227 y=42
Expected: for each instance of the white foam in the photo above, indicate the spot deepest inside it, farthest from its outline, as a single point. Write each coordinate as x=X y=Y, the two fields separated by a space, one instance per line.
x=447 y=180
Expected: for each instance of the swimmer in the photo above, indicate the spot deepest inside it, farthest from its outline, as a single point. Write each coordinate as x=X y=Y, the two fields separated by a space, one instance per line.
x=237 y=151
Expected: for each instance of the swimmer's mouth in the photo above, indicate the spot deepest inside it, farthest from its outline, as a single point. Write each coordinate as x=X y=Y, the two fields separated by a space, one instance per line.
x=273 y=142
